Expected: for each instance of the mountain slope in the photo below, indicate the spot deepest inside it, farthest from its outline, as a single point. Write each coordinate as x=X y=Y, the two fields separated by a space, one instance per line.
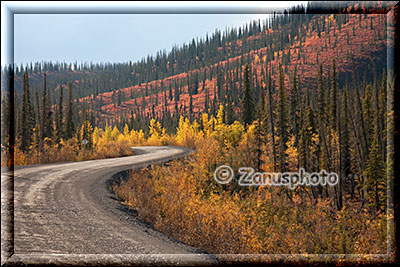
x=361 y=37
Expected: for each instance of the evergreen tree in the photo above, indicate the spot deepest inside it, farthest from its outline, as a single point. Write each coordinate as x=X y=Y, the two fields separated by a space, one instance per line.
x=333 y=98
x=27 y=117
x=360 y=115
x=69 y=123
x=383 y=115
x=38 y=119
x=47 y=122
x=260 y=134
x=170 y=92
x=248 y=100
x=176 y=91
x=5 y=120
x=59 y=118
x=321 y=98
x=282 y=122
x=322 y=150
x=302 y=146
x=86 y=133
x=375 y=183
x=345 y=144
x=230 y=115
x=368 y=114
x=196 y=85
x=307 y=143
x=269 y=118
x=206 y=101
x=190 y=108
x=294 y=110
x=17 y=115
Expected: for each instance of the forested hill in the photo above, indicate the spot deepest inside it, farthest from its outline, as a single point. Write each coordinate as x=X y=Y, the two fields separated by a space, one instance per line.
x=208 y=71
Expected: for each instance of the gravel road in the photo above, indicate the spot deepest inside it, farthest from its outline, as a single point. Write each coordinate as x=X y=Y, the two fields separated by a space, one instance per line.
x=64 y=213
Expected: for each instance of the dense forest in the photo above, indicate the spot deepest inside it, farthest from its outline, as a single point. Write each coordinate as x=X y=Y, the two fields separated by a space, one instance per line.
x=205 y=73
x=300 y=89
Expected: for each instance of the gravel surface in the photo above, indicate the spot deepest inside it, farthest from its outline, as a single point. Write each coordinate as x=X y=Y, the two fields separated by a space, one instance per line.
x=64 y=213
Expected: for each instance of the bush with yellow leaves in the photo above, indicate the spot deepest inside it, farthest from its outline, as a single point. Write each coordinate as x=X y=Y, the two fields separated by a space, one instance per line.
x=183 y=200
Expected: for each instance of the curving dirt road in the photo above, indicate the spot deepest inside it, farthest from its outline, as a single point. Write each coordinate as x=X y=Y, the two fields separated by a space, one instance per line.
x=64 y=213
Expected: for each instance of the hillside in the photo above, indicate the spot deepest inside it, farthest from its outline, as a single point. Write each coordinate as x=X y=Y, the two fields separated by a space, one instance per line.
x=202 y=74
x=346 y=35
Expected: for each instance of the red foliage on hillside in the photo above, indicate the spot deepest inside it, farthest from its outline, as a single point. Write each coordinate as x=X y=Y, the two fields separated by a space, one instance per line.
x=358 y=38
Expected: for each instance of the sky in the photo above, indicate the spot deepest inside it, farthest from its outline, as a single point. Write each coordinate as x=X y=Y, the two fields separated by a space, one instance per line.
x=113 y=37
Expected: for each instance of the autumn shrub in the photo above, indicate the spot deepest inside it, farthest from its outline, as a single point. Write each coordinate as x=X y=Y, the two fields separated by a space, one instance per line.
x=188 y=133
x=101 y=144
x=183 y=200
x=175 y=202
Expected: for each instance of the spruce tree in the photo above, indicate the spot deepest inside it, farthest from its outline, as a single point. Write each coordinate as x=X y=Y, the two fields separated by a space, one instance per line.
x=383 y=115
x=302 y=146
x=260 y=133
x=69 y=123
x=321 y=98
x=38 y=119
x=322 y=149
x=333 y=98
x=230 y=115
x=59 y=117
x=170 y=92
x=282 y=122
x=176 y=92
x=345 y=144
x=360 y=114
x=368 y=114
x=375 y=184
x=5 y=117
x=306 y=142
x=206 y=101
x=294 y=110
x=190 y=108
x=248 y=100
x=269 y=118
x=47 y=123
x=27 y=117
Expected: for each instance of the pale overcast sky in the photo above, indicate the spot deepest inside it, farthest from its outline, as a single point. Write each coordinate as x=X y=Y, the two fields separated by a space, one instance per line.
x=114 y=38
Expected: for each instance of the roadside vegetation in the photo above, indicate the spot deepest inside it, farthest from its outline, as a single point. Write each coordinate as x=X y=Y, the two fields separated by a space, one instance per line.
x=344 y=130
x=300 y=90
x=183 y=200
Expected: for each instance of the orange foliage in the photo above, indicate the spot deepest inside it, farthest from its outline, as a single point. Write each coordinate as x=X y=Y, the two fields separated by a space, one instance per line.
x=183 y=200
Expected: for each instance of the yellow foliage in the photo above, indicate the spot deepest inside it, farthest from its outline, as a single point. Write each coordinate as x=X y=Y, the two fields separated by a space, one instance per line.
x=184 y=201
x=157 y=135
x=265 y=58
x=220 y=115
x=136 y=138
x=228 y=135
x=126 y=130
x=292 y=154
x=115 y=133
x=107 y=133
x=96 y=136
x=187 y=133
